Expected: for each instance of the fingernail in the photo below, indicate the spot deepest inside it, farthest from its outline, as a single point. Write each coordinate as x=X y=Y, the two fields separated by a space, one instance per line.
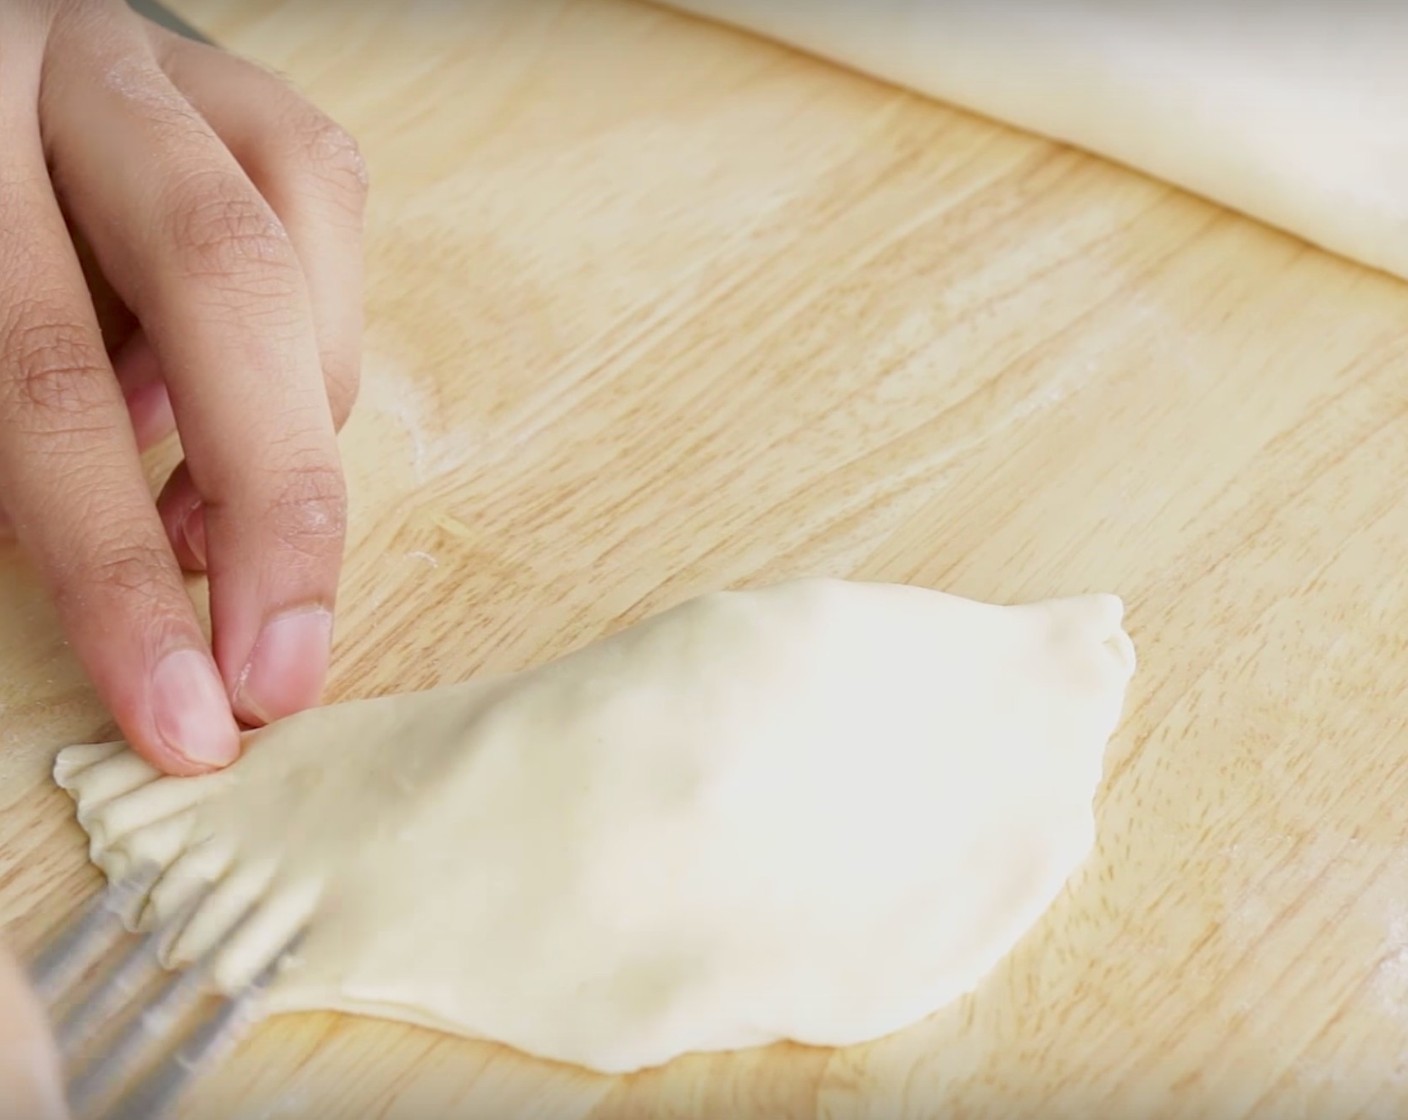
x=149 y=407
x=286 y=670
x=193 y=532
x=191 y=710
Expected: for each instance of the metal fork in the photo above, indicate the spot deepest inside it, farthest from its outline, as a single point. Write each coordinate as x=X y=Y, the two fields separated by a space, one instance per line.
x=114 y=1006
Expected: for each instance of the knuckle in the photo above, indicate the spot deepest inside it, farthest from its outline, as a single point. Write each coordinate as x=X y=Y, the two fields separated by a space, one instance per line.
x=222 y=230
x=131 y=569
x=333 y=154
x=308 y=511
x=53 y=364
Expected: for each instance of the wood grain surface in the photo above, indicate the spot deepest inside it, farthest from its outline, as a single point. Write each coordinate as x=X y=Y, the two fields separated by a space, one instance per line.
x=655 y=308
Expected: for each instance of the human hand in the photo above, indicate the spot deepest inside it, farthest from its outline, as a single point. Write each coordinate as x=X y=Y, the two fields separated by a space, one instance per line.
x=31 y=1087
x=180 y=242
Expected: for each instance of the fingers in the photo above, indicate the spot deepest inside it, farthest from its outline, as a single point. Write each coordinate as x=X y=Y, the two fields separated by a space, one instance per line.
x=310 y=171
x=74 y=489
x=195 y=250
x=148 y=406
x=115 y=319
x=30 y=1081
x=133 y=360
x=313 y=176
x=183 y=515
x=144 y=391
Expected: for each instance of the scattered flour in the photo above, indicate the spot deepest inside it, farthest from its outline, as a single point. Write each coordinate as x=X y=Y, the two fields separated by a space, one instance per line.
x=434 y=450
x=1389 y=983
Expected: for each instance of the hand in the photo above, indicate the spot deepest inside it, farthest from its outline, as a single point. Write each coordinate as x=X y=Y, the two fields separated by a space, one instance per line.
x=31 y=1087
x=180 y=242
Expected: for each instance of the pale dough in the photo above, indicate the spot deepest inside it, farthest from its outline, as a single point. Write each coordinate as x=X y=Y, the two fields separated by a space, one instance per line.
x=817 y=811
x=1296 y=113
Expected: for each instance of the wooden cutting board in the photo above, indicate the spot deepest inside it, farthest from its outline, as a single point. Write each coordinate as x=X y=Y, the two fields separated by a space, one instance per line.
x=654 y=309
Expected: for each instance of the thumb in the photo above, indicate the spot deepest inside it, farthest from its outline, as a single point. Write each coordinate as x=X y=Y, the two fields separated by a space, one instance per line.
x=31 y=1087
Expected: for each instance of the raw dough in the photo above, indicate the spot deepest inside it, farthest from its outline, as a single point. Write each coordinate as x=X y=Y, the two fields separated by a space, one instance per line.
x=1296 y=114
x=817 y=811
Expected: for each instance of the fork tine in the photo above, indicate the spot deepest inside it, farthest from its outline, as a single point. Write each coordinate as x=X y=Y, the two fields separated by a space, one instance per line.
x=159 y=1090
x=87 y=1016
x=83 y=941
x=124 y=981
x=89 y=1004
x=180 y=992
x=73 y=949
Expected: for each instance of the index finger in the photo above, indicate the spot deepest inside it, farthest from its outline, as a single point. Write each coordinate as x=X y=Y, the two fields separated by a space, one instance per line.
x=75 y=491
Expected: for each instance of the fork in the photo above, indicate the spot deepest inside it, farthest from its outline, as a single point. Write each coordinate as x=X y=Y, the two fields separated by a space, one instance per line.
x=113 y=1005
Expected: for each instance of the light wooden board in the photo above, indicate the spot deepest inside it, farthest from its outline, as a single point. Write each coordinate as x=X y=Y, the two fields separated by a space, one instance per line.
x=655 y=308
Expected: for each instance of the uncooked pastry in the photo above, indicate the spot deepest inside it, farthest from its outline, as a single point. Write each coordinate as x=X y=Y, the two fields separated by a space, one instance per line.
x=1295 y=113
x=817 y=811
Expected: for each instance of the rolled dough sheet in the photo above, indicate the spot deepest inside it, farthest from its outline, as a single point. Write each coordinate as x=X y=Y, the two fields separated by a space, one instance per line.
x=817 y=811
x=1295 y=114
